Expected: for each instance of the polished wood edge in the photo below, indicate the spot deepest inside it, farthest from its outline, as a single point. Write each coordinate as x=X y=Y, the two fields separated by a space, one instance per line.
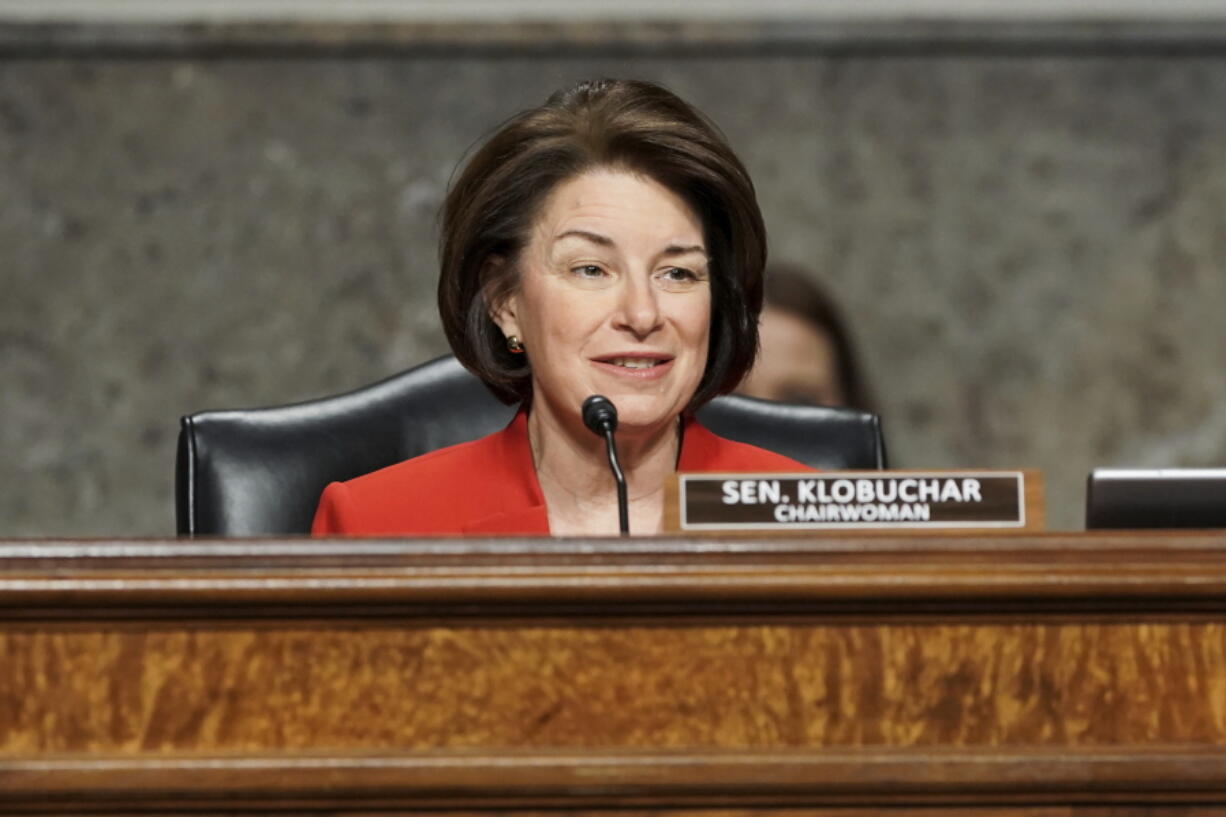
x=1114 y=573
x=1132 y=587
x=353 y=550
x=515 y=778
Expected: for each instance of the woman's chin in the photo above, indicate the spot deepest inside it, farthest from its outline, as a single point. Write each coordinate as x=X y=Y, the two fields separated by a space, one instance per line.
x=638 y=415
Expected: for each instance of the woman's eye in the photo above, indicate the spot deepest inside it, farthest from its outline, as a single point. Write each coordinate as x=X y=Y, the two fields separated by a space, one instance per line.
x=588 y=271
x=678 y=276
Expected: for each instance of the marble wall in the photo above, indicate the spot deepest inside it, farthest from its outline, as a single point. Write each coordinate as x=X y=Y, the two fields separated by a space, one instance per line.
x=1032 y=246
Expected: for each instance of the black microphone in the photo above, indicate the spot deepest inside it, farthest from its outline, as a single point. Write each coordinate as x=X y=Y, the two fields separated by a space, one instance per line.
x=600 y=416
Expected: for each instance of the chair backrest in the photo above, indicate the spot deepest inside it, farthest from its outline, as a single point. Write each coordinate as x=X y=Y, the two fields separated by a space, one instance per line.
x=261 y=471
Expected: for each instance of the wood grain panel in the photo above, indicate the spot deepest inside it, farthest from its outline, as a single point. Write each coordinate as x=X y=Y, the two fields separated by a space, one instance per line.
x=1038 y=675
x=132 y=689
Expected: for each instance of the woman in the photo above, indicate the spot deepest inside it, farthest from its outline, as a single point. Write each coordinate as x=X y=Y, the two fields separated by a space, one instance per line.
x=608 y=242
x=807 y=354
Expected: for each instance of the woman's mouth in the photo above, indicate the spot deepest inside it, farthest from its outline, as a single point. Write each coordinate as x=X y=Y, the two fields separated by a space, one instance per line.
x=636 y=367
x=634 y=362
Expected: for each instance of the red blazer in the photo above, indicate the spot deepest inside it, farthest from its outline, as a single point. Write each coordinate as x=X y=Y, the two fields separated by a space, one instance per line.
x=489 y=486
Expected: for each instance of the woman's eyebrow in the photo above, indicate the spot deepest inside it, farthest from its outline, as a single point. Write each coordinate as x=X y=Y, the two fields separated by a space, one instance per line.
x=605 y=241
x=677 y=249
x=595 y=238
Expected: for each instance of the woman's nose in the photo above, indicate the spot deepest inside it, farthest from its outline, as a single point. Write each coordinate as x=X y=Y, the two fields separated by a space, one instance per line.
x=639 y=309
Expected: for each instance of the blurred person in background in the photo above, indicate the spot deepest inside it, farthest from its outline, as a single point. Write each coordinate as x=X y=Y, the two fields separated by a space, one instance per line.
x=807 y=354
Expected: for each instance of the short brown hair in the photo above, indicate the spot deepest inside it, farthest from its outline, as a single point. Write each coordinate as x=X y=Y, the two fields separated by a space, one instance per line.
x=628 y=124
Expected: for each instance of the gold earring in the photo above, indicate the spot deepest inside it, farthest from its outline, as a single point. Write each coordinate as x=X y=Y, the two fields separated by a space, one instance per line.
x=515 y=345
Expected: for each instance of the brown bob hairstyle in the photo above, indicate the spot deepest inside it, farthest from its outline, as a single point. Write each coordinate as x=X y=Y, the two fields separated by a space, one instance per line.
x=626 y=124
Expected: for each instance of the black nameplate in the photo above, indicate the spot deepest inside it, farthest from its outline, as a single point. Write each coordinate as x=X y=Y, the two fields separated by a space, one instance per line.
x=945 y=499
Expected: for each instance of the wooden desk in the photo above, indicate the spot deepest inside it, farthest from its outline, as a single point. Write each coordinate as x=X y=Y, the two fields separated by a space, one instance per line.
x=1040 y=675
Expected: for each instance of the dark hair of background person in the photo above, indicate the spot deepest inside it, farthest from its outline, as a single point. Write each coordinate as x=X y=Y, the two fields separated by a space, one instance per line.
x=791 y=289
x=621 y=124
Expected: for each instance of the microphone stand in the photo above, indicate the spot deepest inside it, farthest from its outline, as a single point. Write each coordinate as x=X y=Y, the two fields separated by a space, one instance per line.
x=600 y=416
x=623 y=503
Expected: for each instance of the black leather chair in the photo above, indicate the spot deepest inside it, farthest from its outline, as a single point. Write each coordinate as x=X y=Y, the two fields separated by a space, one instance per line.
x=261 y=471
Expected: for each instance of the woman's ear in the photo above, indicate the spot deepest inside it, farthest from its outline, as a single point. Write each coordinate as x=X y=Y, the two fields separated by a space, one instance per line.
x=504 y=316
x=501 y=300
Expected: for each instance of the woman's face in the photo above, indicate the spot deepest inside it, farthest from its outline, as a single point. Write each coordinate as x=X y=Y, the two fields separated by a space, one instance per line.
x=614 y=298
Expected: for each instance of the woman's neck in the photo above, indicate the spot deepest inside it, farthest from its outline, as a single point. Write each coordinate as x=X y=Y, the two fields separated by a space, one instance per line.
x=573 y=472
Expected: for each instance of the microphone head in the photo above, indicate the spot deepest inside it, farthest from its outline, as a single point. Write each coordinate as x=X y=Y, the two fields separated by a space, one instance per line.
x=599 y=414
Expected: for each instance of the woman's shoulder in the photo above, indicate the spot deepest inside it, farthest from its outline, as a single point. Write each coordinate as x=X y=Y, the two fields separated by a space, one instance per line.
x=704 y=450
x=437 y=492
